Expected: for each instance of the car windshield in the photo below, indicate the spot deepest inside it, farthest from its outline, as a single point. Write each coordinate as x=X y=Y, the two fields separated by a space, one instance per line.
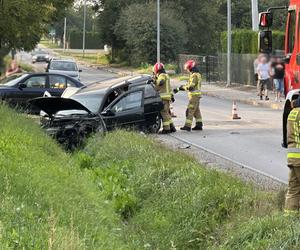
x=12 y=80
x=63 y=65
x=92 y=101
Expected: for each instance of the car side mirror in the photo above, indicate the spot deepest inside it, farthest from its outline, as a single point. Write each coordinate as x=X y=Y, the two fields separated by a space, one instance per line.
x=108 y=112
x=22 y=86
x=265 y=41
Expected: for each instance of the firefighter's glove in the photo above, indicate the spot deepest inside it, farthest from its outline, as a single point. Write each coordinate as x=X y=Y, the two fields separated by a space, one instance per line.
x=172 y=98
x=175 y=91
x=150 y=81
x=191 y=88
x=182 y=88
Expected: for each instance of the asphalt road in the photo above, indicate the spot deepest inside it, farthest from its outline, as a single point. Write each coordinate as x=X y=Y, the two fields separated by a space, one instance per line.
x=253 y=141
x=88 y=75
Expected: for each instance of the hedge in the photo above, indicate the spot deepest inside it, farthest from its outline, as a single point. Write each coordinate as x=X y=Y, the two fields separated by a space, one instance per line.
x=92 y=40
x=246 y=41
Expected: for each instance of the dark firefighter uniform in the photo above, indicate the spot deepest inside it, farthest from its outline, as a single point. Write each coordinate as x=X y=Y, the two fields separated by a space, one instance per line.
x=163 y=86
x=293 y=157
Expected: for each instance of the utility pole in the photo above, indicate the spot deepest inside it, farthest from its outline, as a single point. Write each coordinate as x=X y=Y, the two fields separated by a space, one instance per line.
x=65 y=34
x=158 y=31
x=228 y=43
x=83 y=33
x=254 y=15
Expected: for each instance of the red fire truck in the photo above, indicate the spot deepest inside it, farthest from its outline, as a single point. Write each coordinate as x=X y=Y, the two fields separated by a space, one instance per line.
x=292 y=52
x=292 y=41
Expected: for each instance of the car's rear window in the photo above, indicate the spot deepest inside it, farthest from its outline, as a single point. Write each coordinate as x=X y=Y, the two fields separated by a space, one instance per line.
x=64 y=66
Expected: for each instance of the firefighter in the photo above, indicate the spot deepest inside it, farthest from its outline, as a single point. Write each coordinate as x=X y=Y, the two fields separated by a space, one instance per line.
x=292 y=202
x=193 y=87
x=162 y=85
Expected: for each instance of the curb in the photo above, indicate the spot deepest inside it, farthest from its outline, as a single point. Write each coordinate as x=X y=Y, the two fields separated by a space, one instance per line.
x=275 y=106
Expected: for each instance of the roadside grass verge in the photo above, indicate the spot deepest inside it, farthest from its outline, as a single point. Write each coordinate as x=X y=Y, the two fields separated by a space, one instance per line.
x=90 y=58
x=168 y=201
x=126 y=191
x=46 y=201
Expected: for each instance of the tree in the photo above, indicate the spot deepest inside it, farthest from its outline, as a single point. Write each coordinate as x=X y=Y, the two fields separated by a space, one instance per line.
x=139 y=34
x=23 y=22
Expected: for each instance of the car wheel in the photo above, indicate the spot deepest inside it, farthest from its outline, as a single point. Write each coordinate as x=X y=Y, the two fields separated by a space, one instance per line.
x=155 y=127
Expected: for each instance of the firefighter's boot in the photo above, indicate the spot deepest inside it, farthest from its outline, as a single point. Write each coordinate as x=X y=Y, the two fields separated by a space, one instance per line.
x=199 y=126
x=165 y=132
x=186 y=128
x=172 y=128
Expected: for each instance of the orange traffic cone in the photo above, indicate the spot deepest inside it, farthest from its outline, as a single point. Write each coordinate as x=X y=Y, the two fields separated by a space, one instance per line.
x=234 y=111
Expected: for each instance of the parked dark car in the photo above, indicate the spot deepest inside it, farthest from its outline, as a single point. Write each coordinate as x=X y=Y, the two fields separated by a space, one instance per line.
x=18 y=91
x=122 y=103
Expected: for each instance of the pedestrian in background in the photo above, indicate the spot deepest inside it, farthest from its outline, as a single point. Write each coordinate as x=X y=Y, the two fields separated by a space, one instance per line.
x=263 y=70
x=278 y=69
x=255 y=66
x=292 y=201
x=193 y=87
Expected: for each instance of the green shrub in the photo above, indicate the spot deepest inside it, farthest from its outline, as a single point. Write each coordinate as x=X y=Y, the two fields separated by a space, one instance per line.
x=246 y=41
x=93 y=40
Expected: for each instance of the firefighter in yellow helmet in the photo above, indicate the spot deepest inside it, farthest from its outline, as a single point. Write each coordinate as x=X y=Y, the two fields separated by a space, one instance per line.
x=162 y=85
x=292 y=202
x=193 y=87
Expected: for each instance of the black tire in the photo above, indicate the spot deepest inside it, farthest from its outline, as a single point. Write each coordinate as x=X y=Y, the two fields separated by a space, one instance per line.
x=155 y=127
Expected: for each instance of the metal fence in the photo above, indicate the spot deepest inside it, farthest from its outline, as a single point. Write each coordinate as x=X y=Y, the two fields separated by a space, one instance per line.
x=214 y=68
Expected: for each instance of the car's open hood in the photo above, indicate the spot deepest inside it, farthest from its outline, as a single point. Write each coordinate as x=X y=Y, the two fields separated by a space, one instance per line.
x=52 y=105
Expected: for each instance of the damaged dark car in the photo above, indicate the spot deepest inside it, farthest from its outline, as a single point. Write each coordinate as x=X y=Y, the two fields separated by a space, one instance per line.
x=128 y=102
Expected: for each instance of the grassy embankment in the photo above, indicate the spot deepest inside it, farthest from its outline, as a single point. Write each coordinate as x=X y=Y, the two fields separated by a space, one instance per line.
x=126 y=192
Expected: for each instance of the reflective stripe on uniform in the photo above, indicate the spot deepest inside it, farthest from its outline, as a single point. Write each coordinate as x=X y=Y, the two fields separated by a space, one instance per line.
x=198 y=120
x=293 y=155
x=190 y=106
x=188 y=121
x=165 y=95
x=166 y=123
x=293 y=115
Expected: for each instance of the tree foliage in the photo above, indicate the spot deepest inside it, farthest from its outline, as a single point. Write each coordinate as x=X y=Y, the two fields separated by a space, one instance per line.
x=139 y=34
x=23 y=22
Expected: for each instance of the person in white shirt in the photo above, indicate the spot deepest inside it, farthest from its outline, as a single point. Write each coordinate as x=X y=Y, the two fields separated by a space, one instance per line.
x=263 y=70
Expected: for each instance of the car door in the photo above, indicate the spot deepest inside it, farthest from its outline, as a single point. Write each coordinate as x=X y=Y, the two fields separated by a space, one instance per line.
x=32 y=87
x=126 y=111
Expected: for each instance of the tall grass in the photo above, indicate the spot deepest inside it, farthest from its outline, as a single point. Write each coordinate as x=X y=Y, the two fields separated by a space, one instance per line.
x=126 y=191
x=46 y=201
x=166 y=199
